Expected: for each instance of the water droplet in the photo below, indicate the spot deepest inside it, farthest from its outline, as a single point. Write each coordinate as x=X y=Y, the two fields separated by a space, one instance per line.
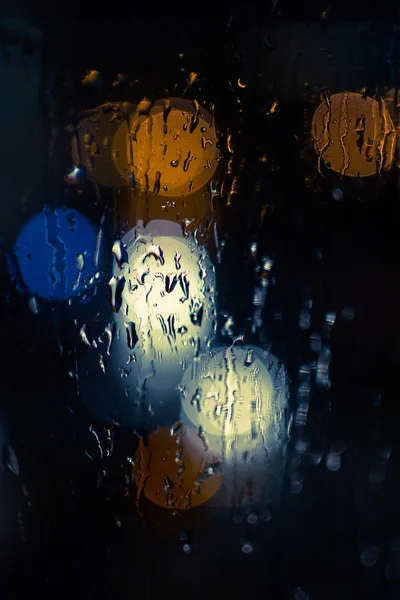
x=300 y=594
x=144 y=107
x=192 y=78
x=247 y=548
x=252 y=519
x=304 y=319
x=33 y=305
x=330 y=318
x=315 y=342
x=348 y=313
x=384 y=455
x=296 y=487
x=94 y=79
x=157 y=182
x=75 y=177
x=333 y=462
x=249 y=357
x=337 y=193
x=369 y=558
x=338 y=447
x=302 y=446
x=316 y=457
x=116 y=286
x=166 y=110
x=83 y=335
x=131 y=334
x=11 y=460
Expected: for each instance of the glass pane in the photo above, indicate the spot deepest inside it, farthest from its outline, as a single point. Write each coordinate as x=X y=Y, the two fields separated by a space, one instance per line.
x=199 y=301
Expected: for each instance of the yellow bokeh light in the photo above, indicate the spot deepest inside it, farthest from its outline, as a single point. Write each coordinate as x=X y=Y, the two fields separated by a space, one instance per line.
x=238 y=398
x=227 y=392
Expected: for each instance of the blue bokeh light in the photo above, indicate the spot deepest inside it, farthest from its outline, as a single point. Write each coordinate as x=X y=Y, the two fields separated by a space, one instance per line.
x=56 y=253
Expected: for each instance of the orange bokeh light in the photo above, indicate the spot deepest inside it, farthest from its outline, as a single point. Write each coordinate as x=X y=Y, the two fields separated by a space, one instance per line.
x=173 y=149
x=175 y=470
x=354 y=135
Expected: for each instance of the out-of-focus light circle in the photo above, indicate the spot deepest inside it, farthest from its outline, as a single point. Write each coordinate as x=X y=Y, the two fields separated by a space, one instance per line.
x=354 y=135
x=175 y=470
x=227 y=391
x=173 y=148
x=102 y=144
x=57 y=253
x=164 y=283
x=238 y=399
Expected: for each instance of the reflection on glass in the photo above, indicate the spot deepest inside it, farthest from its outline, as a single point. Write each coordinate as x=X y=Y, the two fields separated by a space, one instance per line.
x=354 y=135
x=58 y=254
x=175 y=470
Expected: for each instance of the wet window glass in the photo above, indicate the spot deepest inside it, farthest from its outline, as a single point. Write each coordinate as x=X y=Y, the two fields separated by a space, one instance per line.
x=199 y=260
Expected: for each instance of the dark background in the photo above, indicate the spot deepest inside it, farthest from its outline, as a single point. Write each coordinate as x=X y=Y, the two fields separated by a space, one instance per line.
x=66 y=537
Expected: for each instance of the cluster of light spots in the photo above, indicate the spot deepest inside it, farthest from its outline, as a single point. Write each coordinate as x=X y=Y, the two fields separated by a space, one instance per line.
x=174 y=470
x=57 y=254
x=353 y=135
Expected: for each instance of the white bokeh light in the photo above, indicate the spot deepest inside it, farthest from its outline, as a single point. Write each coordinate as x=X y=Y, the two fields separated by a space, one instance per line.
x=167 y=287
